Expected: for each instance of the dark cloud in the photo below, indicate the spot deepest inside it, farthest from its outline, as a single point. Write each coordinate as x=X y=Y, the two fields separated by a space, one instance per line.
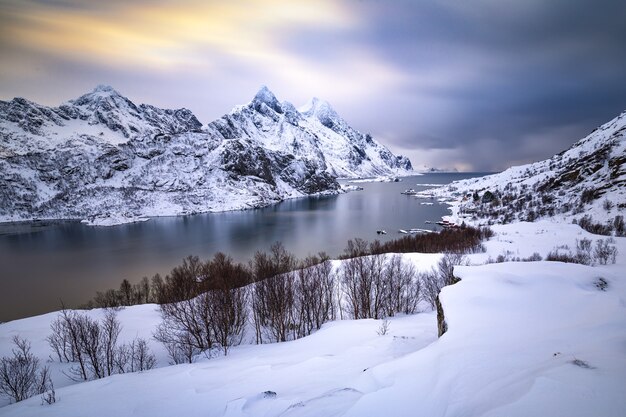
x=504 y=76
x=474 y=84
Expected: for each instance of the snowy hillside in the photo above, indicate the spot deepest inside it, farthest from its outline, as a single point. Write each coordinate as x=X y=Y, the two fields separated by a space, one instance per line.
x=538 y=338
x=587 y=179
x=102 y=158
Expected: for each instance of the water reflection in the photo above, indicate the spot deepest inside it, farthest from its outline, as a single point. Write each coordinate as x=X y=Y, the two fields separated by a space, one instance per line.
x=68 y=261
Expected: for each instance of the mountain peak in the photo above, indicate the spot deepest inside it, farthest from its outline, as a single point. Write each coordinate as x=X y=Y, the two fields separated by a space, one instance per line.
x=104 y=88
x=102 y=95
x=317 y=106
x=265 y=96
x=322 y=111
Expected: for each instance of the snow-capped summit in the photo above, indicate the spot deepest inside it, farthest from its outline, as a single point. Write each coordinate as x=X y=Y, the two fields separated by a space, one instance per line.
x=264 y=95
x=322 y=111
x=102 y=95
x=264 y=99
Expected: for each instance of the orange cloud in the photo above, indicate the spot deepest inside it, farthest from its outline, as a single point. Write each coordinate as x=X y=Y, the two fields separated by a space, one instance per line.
x=167 y=35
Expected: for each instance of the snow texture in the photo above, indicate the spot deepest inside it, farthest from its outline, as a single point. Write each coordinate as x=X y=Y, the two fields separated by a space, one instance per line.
x=103 y=159
x=576 y=182
x=533 y=338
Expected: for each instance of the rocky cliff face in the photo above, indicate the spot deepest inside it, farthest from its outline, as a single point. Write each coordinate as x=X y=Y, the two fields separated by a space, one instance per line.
x=102 y=158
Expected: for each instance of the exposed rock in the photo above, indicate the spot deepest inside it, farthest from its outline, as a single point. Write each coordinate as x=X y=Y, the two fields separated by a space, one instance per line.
x=442 y=326
x=102 y=156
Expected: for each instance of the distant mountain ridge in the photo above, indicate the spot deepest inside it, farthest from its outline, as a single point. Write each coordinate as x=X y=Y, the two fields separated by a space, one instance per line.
x=103 y=158
x=589 y=178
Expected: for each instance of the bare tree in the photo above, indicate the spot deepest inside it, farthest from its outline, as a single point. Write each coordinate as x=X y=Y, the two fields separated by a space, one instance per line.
x=46 y=387
x=314 y=294
x=90 y=344
x=182 y=283
x=186 y=328
x=93 y=347
x=274 y=306
x=179 y=345
x=201 y=306
x=156 y=288
x=111 y=329
x=107 y=299
x=228 y=310
x=60 y=341
x=143 y=291
x=356 y=279
x=363 y=281
x=69 y=323
x=126 y=293
x=402 y=288
x=135 y=356
x=273 y=294
x=379 y=288
x=20 y=375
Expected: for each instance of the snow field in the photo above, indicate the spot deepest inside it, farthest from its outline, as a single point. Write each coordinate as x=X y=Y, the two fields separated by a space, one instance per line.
x=531 y=338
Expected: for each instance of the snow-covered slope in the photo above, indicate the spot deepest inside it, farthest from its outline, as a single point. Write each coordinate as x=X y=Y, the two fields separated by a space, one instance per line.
x=102 y=158
x=531 y=339
x=576 y=182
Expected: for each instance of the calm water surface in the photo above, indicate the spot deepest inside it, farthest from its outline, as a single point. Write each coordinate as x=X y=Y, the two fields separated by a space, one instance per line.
x=40 y=266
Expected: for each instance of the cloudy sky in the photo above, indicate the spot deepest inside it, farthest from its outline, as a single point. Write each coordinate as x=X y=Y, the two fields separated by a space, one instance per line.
x=476 y=85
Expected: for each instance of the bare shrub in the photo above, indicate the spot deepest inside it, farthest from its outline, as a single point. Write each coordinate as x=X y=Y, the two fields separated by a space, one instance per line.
x=229 y=313
x=535 y=257
x=384 y=328
x=273 y=294
x=436 y=279
x=65 y=340
x=378 y=286
x=90 y=345
x=209 y=311
x=604 y=252
x=314 y=294
x=20 y=374
x=583 y=251
x=588 y=195
x=111 y=329
x=273 y=304
x=403 y=290
x=46 y=387
x=179 y=345
x=186 y=328
x=462 y=239
x=362 y=281
x=566 y=257
x=587 y=223
x=139 y=355
x=182 y=283
x=618 y=225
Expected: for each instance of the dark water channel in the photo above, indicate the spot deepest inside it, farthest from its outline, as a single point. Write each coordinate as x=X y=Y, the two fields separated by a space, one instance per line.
x=41 y=265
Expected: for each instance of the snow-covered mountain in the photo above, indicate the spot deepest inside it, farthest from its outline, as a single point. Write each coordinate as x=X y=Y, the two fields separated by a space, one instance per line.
x=315 y=131
x=101 y=157
x=589 y=178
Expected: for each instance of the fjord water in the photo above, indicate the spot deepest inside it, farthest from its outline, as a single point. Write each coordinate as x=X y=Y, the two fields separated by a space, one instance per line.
x=68 y=262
